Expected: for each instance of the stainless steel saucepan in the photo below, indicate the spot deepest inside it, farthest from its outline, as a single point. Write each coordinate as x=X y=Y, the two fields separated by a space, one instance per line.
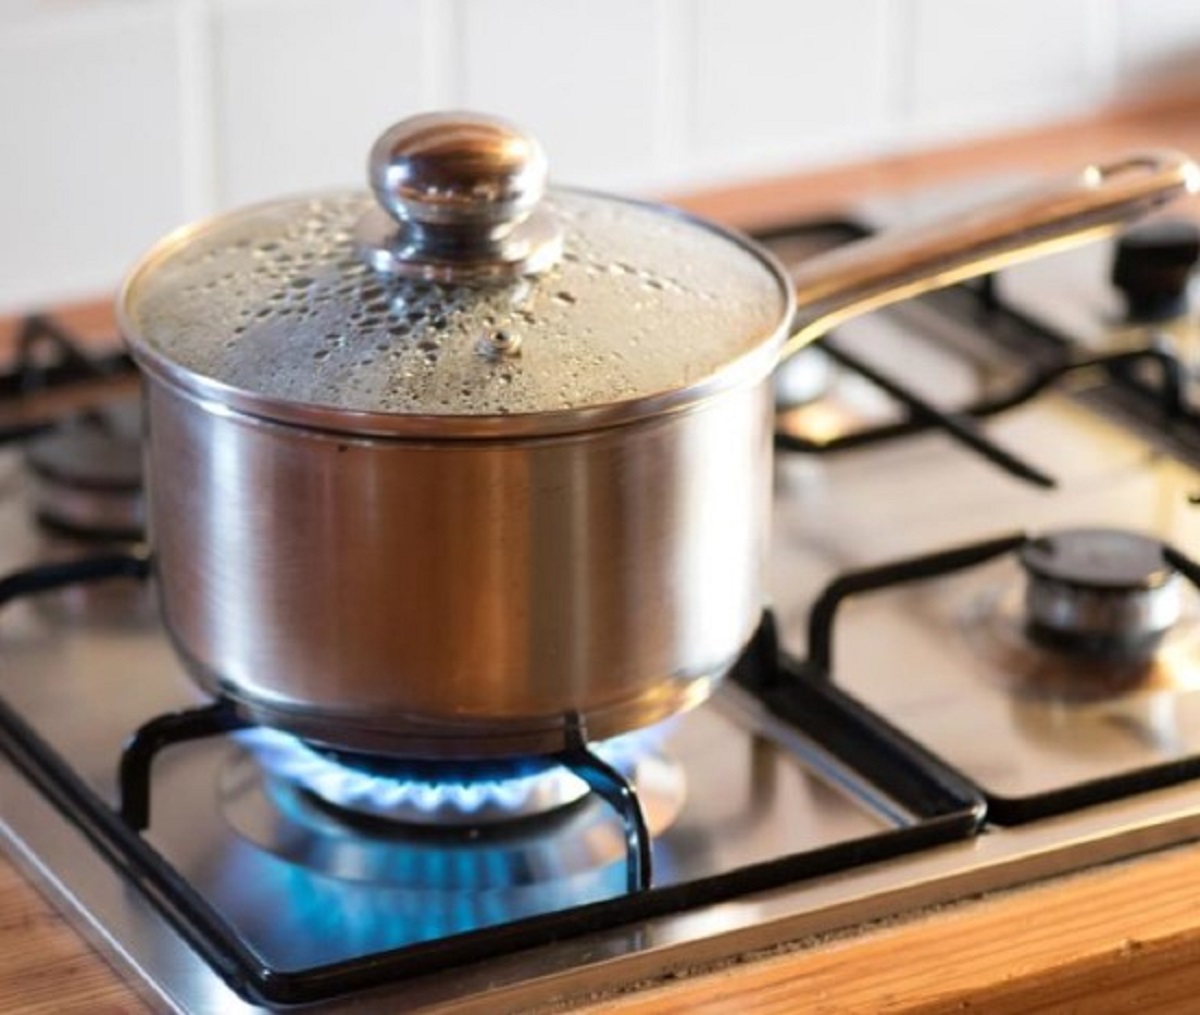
x=455 y=471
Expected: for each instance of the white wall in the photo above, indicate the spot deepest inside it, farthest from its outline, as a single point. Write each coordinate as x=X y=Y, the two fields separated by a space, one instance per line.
x=122 y=118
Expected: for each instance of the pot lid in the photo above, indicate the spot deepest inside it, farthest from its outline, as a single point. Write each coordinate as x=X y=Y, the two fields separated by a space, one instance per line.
x=464 y=300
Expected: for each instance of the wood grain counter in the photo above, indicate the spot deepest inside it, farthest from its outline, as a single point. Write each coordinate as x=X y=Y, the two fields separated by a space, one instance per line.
x=1122 y=938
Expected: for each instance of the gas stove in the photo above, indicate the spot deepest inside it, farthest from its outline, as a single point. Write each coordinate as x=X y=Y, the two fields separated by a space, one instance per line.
x=980 y=666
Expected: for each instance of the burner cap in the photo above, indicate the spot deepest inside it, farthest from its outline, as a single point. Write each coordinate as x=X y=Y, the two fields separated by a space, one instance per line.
x=1100 y=591
x=88 y=474
x=1112 y=559
x=100 y=449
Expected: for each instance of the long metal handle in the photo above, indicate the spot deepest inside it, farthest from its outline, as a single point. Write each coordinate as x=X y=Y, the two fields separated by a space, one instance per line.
x=872 y=273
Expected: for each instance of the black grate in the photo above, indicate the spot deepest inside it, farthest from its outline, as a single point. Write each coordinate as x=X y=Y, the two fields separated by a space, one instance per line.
x=942 y=808
x=1146 y=384
x=50 y=360
x=820 y=669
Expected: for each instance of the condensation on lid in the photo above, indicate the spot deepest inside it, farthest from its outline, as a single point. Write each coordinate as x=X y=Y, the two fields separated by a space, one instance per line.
x=274 y=302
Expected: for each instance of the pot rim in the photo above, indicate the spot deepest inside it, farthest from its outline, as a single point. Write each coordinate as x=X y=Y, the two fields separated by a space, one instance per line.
x=747 y=368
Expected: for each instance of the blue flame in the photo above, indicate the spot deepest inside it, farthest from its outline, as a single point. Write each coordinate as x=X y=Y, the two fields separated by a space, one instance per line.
x=459 y=793
x=315 y=919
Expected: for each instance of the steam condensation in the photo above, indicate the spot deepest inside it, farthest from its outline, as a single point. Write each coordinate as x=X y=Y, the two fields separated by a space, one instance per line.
x=275 y=301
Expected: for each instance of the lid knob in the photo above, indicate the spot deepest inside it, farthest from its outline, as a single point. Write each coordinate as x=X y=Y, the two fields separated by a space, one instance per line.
x=460 y=201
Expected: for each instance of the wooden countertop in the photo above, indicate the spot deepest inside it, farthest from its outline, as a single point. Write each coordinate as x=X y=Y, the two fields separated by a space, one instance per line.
x=1124 y=938
x=1120 y=938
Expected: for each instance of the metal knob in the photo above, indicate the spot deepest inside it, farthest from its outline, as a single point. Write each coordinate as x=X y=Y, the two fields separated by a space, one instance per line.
x=460 y=201
x=1152 y=266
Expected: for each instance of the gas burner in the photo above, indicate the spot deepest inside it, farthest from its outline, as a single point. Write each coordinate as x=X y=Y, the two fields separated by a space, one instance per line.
x=1092 y=615
x=1035 y=669
x=445 y=794
x=88 y=475
x=1104 y=593
x=88 y=500
x=533 y=825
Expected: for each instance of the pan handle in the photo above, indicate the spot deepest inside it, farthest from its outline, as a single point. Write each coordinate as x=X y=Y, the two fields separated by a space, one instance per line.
x=872 y=273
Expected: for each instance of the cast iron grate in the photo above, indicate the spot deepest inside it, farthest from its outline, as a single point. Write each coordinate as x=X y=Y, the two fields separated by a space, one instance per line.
x=943 y=808
x=819 y=667
x=1146 y=383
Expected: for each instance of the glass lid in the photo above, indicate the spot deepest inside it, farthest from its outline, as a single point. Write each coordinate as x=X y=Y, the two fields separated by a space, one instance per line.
x=465 y=299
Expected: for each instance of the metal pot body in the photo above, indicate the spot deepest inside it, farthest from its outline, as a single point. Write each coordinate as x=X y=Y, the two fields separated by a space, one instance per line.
x=459 y=598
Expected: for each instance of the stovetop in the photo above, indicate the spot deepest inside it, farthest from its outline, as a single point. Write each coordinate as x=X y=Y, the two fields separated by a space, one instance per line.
x=963 y=678
x=889 y=740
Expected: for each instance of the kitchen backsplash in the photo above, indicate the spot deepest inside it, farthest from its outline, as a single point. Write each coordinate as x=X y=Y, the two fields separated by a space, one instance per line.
x=124 y=118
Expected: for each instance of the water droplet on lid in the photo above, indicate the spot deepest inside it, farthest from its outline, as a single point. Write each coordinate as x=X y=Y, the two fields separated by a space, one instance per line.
x=564 y=297
x=499 y=343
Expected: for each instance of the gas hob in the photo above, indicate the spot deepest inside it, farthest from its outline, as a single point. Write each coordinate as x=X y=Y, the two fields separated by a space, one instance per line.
x=979 y=666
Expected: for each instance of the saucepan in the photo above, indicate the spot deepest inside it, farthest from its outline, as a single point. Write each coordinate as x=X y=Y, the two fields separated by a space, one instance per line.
x=475 y=466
